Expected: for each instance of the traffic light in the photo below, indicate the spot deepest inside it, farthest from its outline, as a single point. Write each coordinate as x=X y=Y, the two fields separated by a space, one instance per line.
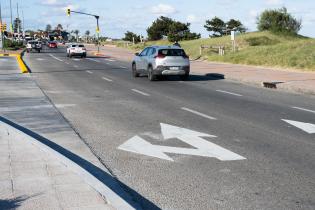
x=68 y=12
x=3 y=27
x=97 y=29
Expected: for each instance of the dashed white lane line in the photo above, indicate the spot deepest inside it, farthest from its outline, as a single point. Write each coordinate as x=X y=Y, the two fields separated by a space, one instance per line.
x=227 y=92
x=89 y=72
x=198 y=113
x=91 y=59
x=111 y=60
x=67 y=63
x=108 y=80
x=75 y=66
x=303 y=109
x=107 y=63
x=140 y=92
x=123 y=67
x=55 y=57
x=76 y=59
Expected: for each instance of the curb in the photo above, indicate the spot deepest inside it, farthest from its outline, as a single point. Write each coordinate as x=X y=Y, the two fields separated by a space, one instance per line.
x=24 y=69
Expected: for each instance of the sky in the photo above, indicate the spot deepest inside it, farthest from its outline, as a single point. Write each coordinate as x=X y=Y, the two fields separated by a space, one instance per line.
x=119 y=16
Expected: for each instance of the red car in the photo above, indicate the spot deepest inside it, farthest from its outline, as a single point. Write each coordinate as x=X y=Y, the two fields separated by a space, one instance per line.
x=52 y=45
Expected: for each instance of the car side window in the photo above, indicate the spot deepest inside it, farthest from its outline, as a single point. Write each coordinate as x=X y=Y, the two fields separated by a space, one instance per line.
x=153 y=51
x=144 y=52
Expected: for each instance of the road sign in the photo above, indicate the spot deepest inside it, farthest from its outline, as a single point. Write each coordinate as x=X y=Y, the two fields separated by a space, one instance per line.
x=201 y=146
x=232 y=35
x=307 y=127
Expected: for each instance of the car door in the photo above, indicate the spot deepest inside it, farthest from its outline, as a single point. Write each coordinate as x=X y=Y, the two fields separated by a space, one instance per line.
x=141 y=59
x=146 y=59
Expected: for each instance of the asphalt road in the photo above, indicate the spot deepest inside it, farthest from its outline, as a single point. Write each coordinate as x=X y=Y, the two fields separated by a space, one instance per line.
x=107 y=107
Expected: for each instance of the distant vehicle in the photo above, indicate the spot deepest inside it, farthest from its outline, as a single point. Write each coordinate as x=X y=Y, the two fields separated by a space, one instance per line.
x=34 y=45
x=76 y=50
x=52 y=45
x=158 y=61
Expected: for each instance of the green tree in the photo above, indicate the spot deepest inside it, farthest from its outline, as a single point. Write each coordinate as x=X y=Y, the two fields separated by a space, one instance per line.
x=235 y=25
x=48 y=27
x=279 y=21
x=129 y=36
x=174 y=30
x=216 y=26
x=17 y=25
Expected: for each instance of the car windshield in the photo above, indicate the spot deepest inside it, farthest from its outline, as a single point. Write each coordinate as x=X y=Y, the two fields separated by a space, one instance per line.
x=81 y=45
x=172 y=52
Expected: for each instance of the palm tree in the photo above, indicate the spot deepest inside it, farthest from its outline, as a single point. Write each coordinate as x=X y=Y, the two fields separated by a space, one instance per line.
x=87 y=33
x=76 y=32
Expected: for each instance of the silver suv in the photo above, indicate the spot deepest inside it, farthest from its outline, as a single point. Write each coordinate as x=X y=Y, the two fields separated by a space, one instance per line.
x=158 y=61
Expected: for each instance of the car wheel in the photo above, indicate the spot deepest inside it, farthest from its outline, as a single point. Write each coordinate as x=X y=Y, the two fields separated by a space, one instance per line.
x=184 y=77
x=134 y=70
x=151 y=77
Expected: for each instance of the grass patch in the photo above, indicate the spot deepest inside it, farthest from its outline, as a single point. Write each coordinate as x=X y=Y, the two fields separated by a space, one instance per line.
x=256 y=48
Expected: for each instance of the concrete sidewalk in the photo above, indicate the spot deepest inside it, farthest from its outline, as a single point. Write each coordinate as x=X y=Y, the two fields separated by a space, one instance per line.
x=44 y=163
x=293 y=81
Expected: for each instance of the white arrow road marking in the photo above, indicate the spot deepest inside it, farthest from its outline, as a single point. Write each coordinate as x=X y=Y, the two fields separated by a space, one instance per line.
x=307 y=127
x=203 y=148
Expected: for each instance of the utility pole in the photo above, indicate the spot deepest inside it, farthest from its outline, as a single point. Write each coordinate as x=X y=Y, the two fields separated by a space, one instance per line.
x=18 y=20
x=1 y=33
x=11 y=24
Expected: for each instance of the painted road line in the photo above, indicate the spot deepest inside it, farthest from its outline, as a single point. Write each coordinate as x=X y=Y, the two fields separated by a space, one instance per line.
x=89 y=72
x=201 y=147
x=307 y=127
x=67 y=63
x=108 y=80
x=123 y=67
x=223 y=91
x=198 y=113
x=91 y=59
x=140 y=92
x=76 y=59
x=55 y=57
x=303 y=109
x=107 y=63
x=75 y=66
x=111 y=60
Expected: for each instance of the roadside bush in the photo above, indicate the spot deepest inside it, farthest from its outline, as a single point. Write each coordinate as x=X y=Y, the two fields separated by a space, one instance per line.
x=9 y=44
x=279 y=21
x=261 y=41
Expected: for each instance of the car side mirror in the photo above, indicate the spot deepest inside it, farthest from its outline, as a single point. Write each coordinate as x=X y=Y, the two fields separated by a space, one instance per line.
x=137 y=54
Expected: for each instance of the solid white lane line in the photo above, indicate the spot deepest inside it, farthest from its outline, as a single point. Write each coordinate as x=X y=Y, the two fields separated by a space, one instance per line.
x=223 y=91
x=109 y=80
x=55 y=57
x=89 y=72
x=91 y=59
x=303 y=109
x=198 y=113
x=140 y=92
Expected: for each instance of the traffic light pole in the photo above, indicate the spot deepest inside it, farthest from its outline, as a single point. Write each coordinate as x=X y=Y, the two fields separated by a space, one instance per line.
x=97 y=25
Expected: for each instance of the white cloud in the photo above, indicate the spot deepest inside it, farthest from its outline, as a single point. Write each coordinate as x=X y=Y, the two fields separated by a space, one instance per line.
x=274 y=2
x=163 y=9
x=55 y=3
x=193 y=19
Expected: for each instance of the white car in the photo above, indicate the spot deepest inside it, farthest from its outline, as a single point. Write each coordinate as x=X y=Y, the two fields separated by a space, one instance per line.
x=34 y=45
x=76 y=50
